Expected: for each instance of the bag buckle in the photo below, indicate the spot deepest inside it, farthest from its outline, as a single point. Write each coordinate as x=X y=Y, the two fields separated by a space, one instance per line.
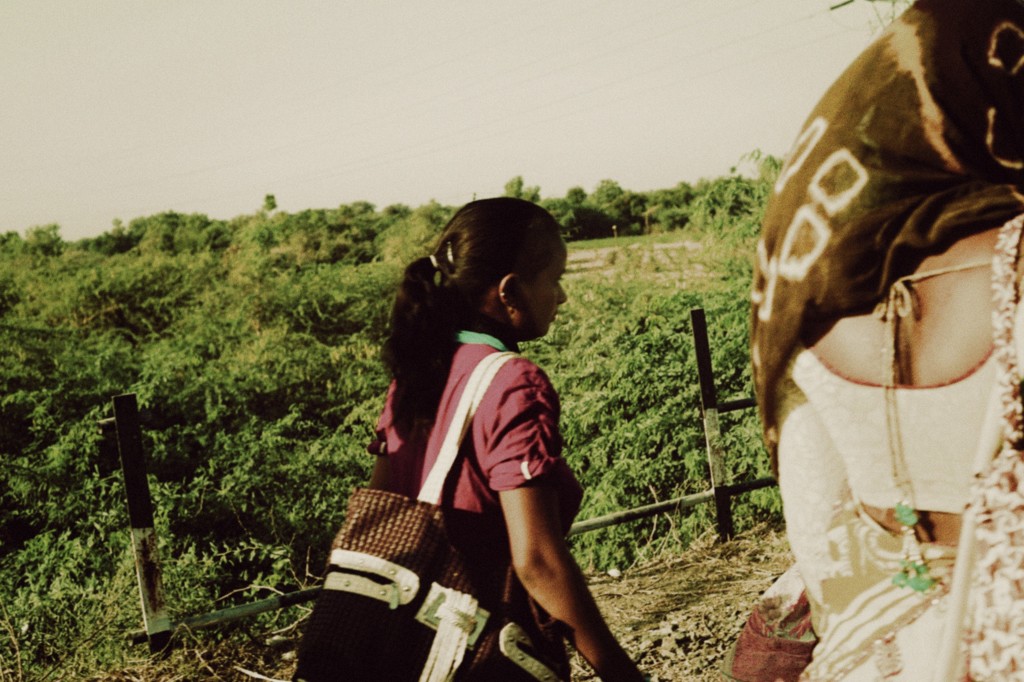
x=360 y=573
x=433 y=610
x=511 y=641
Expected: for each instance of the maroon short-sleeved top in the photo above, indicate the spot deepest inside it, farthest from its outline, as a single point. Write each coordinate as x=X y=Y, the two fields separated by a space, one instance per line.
x=514 y=439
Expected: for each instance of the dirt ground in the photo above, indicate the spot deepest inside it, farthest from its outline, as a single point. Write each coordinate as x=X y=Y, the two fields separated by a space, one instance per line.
x=678 y=616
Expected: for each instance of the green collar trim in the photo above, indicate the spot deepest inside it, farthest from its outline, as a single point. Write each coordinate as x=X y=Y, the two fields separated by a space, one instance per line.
x=465 y=336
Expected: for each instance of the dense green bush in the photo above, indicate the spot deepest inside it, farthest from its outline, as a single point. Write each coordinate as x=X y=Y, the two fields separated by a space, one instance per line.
x=253 y=348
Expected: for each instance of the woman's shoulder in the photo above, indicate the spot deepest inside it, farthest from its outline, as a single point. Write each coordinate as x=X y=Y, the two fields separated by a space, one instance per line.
x=527 y=370
x=945 y=331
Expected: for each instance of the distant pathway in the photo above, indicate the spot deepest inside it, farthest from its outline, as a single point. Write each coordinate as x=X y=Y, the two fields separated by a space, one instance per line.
x=668 y=258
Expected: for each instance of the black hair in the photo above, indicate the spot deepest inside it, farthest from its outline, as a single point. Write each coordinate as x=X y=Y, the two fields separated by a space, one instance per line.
x=442 y=293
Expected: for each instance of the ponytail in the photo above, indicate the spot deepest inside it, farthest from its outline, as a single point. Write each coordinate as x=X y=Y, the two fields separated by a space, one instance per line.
x=419 y=350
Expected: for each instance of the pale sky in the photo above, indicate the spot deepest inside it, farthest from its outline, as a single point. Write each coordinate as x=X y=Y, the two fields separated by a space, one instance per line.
x=125 y=108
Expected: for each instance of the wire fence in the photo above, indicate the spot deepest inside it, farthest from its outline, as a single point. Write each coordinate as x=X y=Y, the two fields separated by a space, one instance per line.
x=124 y=433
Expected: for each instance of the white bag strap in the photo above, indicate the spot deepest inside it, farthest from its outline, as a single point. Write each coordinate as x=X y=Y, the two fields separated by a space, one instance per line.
x=472 y=395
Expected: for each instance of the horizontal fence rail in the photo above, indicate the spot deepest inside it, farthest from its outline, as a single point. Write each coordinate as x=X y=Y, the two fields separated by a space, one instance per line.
x=159 y=629
x=233 y=613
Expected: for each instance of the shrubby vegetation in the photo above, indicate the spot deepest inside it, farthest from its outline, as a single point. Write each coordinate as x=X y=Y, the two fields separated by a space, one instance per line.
x=253 y=347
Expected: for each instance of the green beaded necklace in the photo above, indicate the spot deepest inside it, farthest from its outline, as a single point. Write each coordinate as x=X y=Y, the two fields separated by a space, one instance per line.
x=913 y=573
x=902 y=302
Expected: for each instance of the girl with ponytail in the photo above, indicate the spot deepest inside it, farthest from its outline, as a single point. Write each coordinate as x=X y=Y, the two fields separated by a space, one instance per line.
x=492 y=282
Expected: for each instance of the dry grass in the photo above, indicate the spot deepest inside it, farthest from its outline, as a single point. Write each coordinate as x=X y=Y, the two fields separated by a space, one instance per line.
x=678 y=615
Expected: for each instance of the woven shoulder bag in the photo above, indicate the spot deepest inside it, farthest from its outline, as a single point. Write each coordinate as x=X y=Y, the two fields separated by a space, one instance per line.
x=399 y=601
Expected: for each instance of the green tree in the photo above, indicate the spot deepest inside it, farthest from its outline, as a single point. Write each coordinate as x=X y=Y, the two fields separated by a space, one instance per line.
x=577 y=218
x=576 y=196
x=172 y=232
x=515 y=188
x=11 y=243
x=117 y=240
x=625 y=209
x=9 y=293
x=44 y=240
x=669 y=209
x=411 y=237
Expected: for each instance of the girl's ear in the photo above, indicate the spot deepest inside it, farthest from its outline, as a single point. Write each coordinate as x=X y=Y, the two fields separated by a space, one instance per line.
x=507 y=288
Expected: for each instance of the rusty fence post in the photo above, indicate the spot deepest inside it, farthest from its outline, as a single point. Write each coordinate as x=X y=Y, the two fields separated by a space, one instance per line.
x=712 y=430
x=140 y=515
x=711 y=408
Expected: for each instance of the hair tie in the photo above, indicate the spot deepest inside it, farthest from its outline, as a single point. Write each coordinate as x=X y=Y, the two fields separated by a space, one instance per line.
x=448 y=265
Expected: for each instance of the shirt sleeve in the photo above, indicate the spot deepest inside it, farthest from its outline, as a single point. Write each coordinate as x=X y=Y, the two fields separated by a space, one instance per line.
x=516 y=434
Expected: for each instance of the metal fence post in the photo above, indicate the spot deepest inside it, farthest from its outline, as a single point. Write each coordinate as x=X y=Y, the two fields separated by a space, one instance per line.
x=140 y=516
x=712 y=430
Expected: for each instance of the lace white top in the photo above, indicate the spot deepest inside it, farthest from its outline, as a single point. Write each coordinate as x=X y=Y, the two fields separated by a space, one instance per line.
x=833 y=451
x=938 y=426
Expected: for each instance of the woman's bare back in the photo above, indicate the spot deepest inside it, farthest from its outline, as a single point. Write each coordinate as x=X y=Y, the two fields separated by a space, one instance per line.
x=950 y=335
